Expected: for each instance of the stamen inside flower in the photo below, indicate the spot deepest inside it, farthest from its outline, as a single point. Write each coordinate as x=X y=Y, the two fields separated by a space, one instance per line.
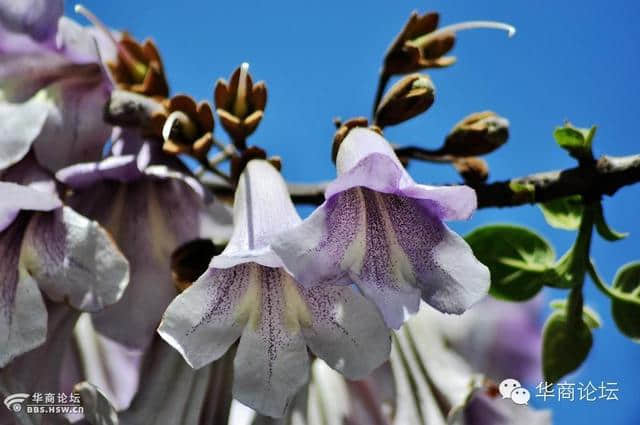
x=240 y=104
x=137 y=69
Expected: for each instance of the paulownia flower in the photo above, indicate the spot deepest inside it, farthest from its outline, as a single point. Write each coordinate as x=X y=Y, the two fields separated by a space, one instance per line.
x=151 y=205
x=52 y=86
x=381 y=230
x=248 y=294
x=427 y=380
x=48 y=249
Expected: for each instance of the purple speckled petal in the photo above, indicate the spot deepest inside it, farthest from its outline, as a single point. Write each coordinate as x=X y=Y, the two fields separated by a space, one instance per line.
x=431 y=256
x=23 y=317
x=119 y=168
x=203 y=321
x=74 y=131
x=313 y=250
x=262 y=209
x=272 y=364
x=20 y=125
x=393 y=248
x=366 y=159
x=37 y=18
x=15 y=197
x=74 y=260
x=347 y=331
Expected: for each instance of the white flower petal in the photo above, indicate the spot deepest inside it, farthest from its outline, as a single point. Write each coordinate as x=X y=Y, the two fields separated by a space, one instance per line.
x=347 y=331
x=203 y=321
x=74 y=259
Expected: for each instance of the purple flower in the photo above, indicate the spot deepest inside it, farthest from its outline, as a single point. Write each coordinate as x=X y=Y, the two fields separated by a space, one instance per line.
x=48 y=249
x=52 y=86
x=499 y=339
x=151 y=205
x=381 y=230
x=248 y=294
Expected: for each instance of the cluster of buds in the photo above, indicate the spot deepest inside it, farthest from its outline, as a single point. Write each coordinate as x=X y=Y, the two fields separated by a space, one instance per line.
x=138 y=68
x=185 y=127
x=240 y=104
x=419 y=46
x=407 y=98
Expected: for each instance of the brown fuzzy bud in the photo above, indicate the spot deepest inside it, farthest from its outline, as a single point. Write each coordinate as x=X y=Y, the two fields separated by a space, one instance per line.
x=190 y=260
x=473 y=170
x=240 y=104
x=410 y=96
x=477 y=134
x=185 y=127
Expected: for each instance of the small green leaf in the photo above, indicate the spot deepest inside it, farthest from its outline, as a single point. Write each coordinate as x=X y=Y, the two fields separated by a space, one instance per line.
x=589 y=315
x=563 y=213
x=625 y=314
x=575 y=140
x=603 y=228
x=517 y=257
x=564 y=346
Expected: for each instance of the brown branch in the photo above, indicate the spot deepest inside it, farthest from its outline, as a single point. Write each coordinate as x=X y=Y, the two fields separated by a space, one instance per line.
x=602 y=177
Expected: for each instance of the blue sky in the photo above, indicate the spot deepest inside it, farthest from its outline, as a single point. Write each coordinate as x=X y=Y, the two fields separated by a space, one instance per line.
x=569 y=60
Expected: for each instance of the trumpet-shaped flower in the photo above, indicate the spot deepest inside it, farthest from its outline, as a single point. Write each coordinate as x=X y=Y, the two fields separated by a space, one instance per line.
x=248 y=294
x=48 y=249
x=151 y=205
x=381 y=230
x=53 y=86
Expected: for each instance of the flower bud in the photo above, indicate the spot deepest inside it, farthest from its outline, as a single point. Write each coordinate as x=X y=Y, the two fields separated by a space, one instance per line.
x=473 y=170
x=185 y=127
x=410 y=96
x=240 y=104
x=477 y=134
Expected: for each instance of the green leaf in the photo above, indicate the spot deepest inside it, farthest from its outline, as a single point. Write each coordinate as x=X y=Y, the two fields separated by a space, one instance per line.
x=625 y=314
x=518 y=258
x=564 y=346
x=589 y=315
x=603 y=228
x=563 y=213
x=575 y=140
